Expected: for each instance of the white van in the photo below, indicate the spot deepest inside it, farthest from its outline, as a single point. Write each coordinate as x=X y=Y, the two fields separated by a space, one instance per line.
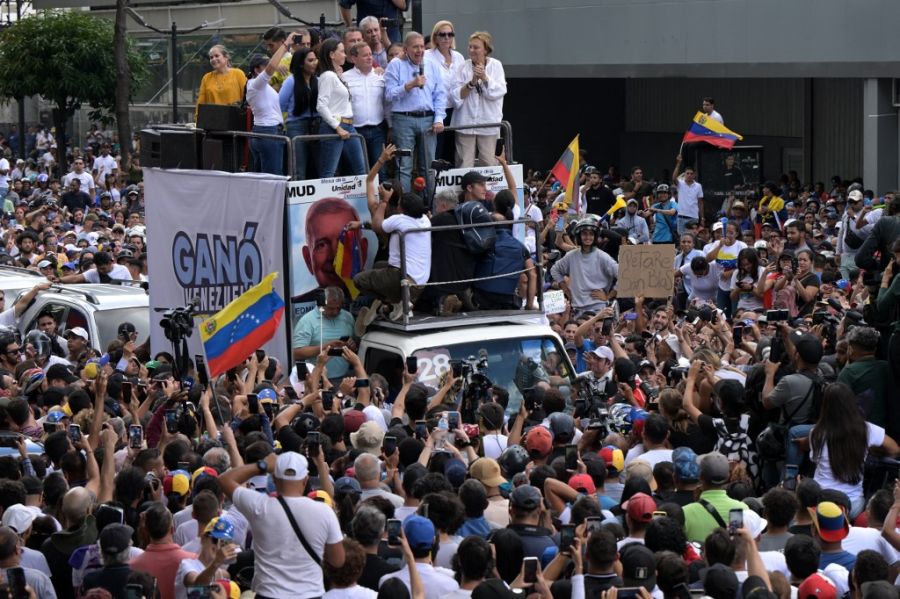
x=506 y=347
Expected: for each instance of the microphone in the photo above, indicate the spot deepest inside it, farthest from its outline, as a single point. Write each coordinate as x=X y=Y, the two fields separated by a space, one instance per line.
x=422 y=70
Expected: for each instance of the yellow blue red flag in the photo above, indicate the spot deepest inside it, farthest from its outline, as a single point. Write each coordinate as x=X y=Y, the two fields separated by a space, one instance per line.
x=241 y=327
x=348 y=260
x=707 y=129
x=566 y=171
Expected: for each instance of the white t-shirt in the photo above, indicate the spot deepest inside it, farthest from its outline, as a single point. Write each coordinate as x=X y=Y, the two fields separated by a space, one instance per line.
x=446 y=551
x=689 y=199
x=494 y=445
x=652 y=457
x=534 y=213
x=458 y=594
x=104 y=165
x=283 y=567
x=87 y=181
x=860 y=538
x=184 y=568
x=747 y=300
x=354 y=592
x=823 y=467
x=704 y=287
x=4 y=172
x=726 y=258
x=418 y=245
x=118 y=272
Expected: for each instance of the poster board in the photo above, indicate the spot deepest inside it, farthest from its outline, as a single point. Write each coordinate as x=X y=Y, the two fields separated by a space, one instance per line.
x=646 y=270
x=214 y=235
x=317 y=211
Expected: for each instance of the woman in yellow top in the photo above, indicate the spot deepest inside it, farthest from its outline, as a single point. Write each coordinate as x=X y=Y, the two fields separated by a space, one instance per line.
x=224 y=84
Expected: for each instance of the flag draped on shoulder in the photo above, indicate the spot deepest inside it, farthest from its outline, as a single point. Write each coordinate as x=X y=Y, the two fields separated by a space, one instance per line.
x=711 y=131
x=241 y=327
x=566 y=171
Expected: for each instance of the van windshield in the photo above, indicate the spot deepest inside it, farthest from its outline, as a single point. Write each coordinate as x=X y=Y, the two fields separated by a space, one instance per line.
x=513 y=364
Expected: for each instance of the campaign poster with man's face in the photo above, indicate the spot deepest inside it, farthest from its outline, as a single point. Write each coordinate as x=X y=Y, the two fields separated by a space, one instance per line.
x=318 y=212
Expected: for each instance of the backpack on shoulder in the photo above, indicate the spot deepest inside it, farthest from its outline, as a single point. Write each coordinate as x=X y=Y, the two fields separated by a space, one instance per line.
x=478 y=240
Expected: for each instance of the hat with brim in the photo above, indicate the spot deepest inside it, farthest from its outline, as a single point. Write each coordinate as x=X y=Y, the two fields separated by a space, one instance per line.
x=368 y=438
x=830 y=521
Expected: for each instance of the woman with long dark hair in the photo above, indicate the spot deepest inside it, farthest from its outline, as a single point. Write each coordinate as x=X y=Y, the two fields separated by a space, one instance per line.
x=298 y=97
x=334 y=107
x=840 y=441
x=806 y=283
x=744 y=288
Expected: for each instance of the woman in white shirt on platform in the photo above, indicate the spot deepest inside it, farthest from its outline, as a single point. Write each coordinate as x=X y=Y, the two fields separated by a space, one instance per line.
x=443 y=53
x=478 y=90
x=333 y=105
x=268 y=154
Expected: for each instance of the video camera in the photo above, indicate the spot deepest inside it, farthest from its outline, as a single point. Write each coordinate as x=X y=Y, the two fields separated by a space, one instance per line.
x=178 y=323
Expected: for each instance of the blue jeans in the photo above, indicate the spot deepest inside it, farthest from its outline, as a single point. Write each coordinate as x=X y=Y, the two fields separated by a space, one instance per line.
x=375 y=138
x=268 y=153
x=723 y=302
x=301 y=148
x=793 y=455
x=411 y=132
x=331 y=151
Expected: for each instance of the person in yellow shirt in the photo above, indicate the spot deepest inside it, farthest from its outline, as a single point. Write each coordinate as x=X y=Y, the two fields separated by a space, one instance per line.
x=224 y=84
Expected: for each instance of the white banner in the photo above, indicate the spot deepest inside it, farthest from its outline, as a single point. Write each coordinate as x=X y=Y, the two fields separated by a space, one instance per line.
x=318 y=209
x=211 y=236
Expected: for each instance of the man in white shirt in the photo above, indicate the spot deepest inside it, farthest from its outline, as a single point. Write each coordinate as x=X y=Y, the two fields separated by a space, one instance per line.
x=420 y=535
x=104 y=271
x=284 y=568
x=709 y=108
x=653 y=441
x=366 y=87
x=104 y=164
x=4 y=178
x=385 y=283
x=690 y=196
x=78 y=172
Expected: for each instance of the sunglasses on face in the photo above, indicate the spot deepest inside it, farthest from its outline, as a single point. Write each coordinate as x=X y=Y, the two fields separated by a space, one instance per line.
x=446 y=34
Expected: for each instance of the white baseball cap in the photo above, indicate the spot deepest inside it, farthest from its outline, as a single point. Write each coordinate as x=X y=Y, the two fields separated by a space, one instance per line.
x=290 y=465
x=604 y=352
x=19 y=517
x=78 y=332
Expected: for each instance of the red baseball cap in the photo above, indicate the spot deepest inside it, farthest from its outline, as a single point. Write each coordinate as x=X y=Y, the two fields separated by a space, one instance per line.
x=640 y=507
x=583 y=482
x=818 y=586
x=353 y=419
x=539 y=440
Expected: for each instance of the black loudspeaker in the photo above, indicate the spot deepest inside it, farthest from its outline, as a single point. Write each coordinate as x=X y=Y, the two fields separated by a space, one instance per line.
x=222 y=154
x=179 y=149
x=150 y=147
x=216 y=117
x=170 y=149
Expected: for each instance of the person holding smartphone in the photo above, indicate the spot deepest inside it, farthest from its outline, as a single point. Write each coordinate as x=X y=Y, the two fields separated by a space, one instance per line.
x=329 y=327
x=477 y=91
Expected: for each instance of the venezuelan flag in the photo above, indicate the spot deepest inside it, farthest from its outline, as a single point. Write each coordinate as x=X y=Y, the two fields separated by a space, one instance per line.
x=348 y=259
x=566 y=171
x=711 y=131
x=241 y=327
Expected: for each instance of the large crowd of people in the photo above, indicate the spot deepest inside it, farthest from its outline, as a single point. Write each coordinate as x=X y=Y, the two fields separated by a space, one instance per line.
x=734 y=438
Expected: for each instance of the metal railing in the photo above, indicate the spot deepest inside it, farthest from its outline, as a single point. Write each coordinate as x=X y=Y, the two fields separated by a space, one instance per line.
x=323 y=137
x=290 y=142
x=404 y=280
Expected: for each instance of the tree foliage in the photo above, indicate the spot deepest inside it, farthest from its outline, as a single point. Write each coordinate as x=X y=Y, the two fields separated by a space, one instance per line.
x=66 y=57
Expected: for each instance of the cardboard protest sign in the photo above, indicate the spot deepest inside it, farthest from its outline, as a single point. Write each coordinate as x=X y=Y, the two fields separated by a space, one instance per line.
x=646 y=270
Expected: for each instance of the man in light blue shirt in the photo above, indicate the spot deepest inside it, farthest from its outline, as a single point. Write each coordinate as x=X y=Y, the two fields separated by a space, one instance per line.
x=332 y=329
x=415 y=91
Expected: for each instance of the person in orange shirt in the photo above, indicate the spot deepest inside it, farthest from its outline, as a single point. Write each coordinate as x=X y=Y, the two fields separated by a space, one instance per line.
x=162 y=556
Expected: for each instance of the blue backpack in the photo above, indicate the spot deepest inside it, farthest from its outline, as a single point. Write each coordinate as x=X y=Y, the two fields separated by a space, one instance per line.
x=506 y=257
